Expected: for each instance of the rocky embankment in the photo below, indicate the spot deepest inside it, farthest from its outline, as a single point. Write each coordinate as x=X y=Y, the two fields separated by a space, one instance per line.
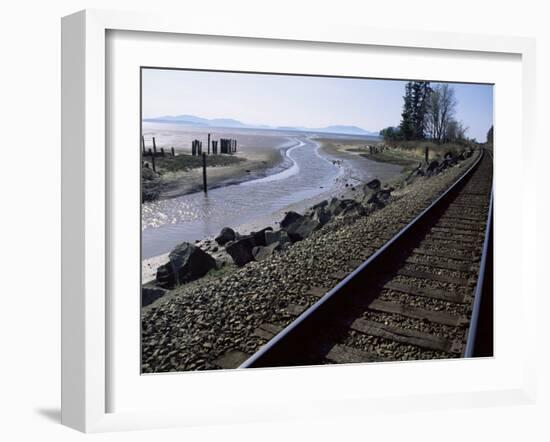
x=200 y=307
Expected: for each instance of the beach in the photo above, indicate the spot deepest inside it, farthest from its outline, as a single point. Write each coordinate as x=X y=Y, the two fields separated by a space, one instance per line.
x=219 y=314
x=261 y=202
x=258 y=155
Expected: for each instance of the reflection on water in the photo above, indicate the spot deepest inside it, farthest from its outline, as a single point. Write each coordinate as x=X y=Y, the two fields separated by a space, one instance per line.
x=308 y=175
x=195 y=216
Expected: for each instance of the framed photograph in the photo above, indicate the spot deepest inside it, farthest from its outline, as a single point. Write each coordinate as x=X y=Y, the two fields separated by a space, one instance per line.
x=257 y=216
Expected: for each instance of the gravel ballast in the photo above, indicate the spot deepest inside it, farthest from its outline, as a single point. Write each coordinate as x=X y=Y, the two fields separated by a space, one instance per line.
x=198 y=322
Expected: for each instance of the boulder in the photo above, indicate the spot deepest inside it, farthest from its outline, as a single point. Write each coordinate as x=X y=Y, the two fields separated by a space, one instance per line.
x=323 y=203
x=449 y=155
x=337 y=206
x=380 y=198
x=187 y=263
x=353 y=209
x=259 y=237
x=278 y=236
x=226 y=235
x=302 y=228
x=384 y=194
x=374 y=184
x=147 y=174
x=432 y=168
x=262 y=252
x=290 y=218
x=241 y=250
x=320 y=213
x=151 y=294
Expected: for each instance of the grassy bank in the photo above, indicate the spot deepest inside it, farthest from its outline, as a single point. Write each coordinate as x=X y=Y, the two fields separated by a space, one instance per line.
x=407 y=153
x=183 y=162
x=180 y=174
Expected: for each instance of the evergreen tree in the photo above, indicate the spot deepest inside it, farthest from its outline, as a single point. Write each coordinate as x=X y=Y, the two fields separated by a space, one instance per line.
x=415 y=110
x=490 y=136
x=407 y=116
x=420 y=98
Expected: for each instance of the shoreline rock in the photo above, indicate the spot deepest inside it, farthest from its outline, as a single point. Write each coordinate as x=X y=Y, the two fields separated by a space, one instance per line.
x=187 y=262
x=294 y=227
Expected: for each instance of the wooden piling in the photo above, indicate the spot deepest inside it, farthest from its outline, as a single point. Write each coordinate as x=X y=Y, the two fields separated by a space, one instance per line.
x=154 y=148
x=208 y=144
x=143 y=145
x=173 y=152
x=204 y=173
x=162 y=151
x=153 y=163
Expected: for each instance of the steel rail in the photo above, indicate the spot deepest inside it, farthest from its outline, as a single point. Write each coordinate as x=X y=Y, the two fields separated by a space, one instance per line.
x=276 y=340
x=478 y=294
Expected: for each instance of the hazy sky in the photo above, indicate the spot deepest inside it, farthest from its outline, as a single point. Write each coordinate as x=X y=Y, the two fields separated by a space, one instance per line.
x=279 y=100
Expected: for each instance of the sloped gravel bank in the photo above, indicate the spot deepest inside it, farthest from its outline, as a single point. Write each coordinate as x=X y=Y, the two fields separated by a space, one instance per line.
x=197 y=323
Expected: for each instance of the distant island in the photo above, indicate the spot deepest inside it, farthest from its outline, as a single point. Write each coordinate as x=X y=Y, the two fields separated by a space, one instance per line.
x=191 y=120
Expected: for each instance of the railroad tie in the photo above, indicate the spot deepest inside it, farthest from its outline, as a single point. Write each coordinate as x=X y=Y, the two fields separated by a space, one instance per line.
x=456 y=238
x=339 y=275
x=295 y=309
x=457 y=231
x=404 y=336
x=432 y=276
x=353 y=264
x=317 y=292
x=344 y=354
x=425 y=292
x=460 y=226
x=231 y=359
x=267 y=331
x=436 y=242
x=462 y=218
x=443 y=254
x=418 y=313
x=440 y=265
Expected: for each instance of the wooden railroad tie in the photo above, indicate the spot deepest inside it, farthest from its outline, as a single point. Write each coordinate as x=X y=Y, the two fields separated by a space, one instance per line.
x=440 y=264
x=405 y=336
x=435 y=242
x=418 y=313
x=317 y=292
x=231 y=359
x=343 y=354
x=433 y=276
x=425 y=292
x=267 y=331
x=442 y=254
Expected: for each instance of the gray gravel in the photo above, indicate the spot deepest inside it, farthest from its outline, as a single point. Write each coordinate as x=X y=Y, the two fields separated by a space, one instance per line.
x=196 y=323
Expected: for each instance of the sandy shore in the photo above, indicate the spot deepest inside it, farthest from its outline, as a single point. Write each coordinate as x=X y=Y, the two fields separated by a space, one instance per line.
x=214 y=316
x=346 y=185
x=360 y=150
x=255 y=163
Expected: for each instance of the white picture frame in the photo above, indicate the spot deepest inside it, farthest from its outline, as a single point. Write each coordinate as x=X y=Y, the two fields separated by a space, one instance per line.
x=85 y=307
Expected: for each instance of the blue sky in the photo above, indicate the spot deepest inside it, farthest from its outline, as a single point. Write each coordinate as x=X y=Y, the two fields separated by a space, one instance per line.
x=283 y=100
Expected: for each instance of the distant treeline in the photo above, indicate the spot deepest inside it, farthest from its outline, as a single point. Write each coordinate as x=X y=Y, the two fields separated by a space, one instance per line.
x=428 y=113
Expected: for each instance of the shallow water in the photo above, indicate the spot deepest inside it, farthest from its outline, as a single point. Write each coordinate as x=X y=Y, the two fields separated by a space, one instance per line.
x=197 y=216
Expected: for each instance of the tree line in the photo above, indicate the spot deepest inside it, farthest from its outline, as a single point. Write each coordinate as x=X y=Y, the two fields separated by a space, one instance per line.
x=428 y=113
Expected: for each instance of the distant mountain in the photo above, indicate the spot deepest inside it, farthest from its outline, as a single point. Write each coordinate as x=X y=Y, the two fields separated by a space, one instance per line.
x=347 y=130
x=191 y=120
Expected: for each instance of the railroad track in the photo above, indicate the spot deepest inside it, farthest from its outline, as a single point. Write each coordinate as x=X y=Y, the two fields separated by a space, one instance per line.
x=420 y=296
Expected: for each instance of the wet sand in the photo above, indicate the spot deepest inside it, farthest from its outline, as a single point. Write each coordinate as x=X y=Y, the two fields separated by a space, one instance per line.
x=354 y=171
x=255 y=164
